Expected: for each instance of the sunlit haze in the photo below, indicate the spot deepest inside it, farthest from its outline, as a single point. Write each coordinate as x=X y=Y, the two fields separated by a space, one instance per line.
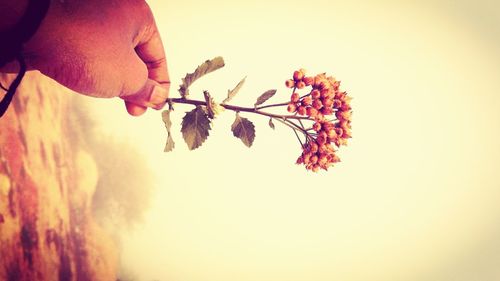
x=416 y=194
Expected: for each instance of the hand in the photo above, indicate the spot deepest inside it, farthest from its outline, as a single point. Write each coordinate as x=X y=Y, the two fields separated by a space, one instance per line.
x=103 y=49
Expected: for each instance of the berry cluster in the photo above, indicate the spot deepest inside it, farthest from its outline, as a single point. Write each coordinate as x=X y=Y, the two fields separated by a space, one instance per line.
x=323 y=100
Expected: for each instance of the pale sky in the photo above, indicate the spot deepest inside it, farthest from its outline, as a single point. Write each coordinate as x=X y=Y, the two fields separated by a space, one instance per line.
x=416 y=194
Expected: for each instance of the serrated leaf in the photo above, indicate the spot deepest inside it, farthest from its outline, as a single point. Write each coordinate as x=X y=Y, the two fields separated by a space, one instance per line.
x=233 y=92
x=203 y=69
x=244 y=130
x=170 y=145
x=195 y=127
x=271 y=124
x=165 y=115
x=265 y=96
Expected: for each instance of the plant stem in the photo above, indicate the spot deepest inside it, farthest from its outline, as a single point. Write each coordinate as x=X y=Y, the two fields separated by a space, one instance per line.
x=271 y=105
x=237 y=108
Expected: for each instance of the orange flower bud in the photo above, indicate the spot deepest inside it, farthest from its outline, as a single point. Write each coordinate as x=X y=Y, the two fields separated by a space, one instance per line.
x=319 y=117
x=308 y=80
x=336 y=85
x=307 y=158
x=335 y=159
x=323 y=148
x=317 y=104
x=301 y=85
x=291 y=107
x=332 y=135
x=337 y=103
x=322 y=160
x=311 y=112
x=321 y=140
x=343 y=115
x=315 y=168
x=315 y=94
x=344 y=124
x=298 y=75
x=301 y=110
x=307 y=101
x=327 y=102
x=294 y=97
x=327 y=111
x=347 y=133
x=317 y=126
x=289 y=83
x=314 y=159
x=323 y=134
x=324 y=85
x=314 y=147
x=300 y=160
x=339 y=131
x=325 y=93
x=345 y=107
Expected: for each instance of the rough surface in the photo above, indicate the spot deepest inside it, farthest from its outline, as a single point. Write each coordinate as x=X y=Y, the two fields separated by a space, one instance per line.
x=47 y=231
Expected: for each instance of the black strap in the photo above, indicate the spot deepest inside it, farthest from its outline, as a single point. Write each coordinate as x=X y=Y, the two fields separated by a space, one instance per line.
x=13 y=41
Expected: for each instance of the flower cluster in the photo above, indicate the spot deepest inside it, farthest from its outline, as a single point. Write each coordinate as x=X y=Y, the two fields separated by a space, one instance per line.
x=322 y=101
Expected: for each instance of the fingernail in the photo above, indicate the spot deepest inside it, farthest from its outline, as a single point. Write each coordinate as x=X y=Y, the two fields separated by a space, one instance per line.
x=158 y=97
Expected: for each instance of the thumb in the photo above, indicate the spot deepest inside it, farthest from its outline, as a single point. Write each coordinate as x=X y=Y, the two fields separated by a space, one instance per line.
x=153 y=95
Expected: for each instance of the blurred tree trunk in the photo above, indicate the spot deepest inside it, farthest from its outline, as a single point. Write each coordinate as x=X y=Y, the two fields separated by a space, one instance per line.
x=46 y=185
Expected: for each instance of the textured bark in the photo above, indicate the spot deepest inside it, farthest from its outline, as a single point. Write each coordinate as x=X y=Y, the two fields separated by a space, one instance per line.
x=47 y=231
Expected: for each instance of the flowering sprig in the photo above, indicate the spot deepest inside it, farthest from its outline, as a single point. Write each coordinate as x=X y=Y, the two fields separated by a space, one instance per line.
x=321 y=114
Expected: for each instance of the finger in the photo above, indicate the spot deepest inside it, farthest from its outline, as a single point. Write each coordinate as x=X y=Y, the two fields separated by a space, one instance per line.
x=134 y=109
x=153 y=95
x=152 y=53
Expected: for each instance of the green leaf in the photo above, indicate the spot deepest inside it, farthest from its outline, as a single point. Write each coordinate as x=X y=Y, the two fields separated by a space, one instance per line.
x=170 y=145
x=265 y=96
x=233 y=92
x=203 y=69
x=243 y=129
x=271 y=124
x=195 y=127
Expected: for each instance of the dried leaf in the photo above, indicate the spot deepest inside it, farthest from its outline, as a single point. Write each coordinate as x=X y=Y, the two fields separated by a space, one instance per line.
x=169 y=146
x=243 y=129
x=195 y=127
x=265 y=96
x=233 y=92
x=271 y=124
x=203 y=69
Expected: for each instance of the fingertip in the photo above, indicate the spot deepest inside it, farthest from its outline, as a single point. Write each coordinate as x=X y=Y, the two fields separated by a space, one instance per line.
x=134 y=109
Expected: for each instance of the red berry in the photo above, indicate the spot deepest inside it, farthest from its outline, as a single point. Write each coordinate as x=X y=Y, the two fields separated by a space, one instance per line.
x=312 y=112
x=308 y=80
x=294 y=97
x=317 y=126
x=291 y=108
x=298 y=75
x=317 y=104
x=315 y=94
x=289 y=83
x=307 y=101
x=301 y=110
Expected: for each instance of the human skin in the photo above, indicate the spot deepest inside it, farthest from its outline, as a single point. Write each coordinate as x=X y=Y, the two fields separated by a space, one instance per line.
x=98 y=48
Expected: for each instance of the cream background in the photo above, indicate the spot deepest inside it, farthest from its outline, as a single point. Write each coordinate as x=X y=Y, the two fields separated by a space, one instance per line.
x=417 y=194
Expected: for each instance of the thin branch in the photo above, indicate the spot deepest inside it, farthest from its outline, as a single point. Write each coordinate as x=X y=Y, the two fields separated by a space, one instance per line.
x=271 y=105
x=236 y=108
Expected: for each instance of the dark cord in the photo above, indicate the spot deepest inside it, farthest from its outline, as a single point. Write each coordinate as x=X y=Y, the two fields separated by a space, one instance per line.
x=13 y=41
x=4 y=104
